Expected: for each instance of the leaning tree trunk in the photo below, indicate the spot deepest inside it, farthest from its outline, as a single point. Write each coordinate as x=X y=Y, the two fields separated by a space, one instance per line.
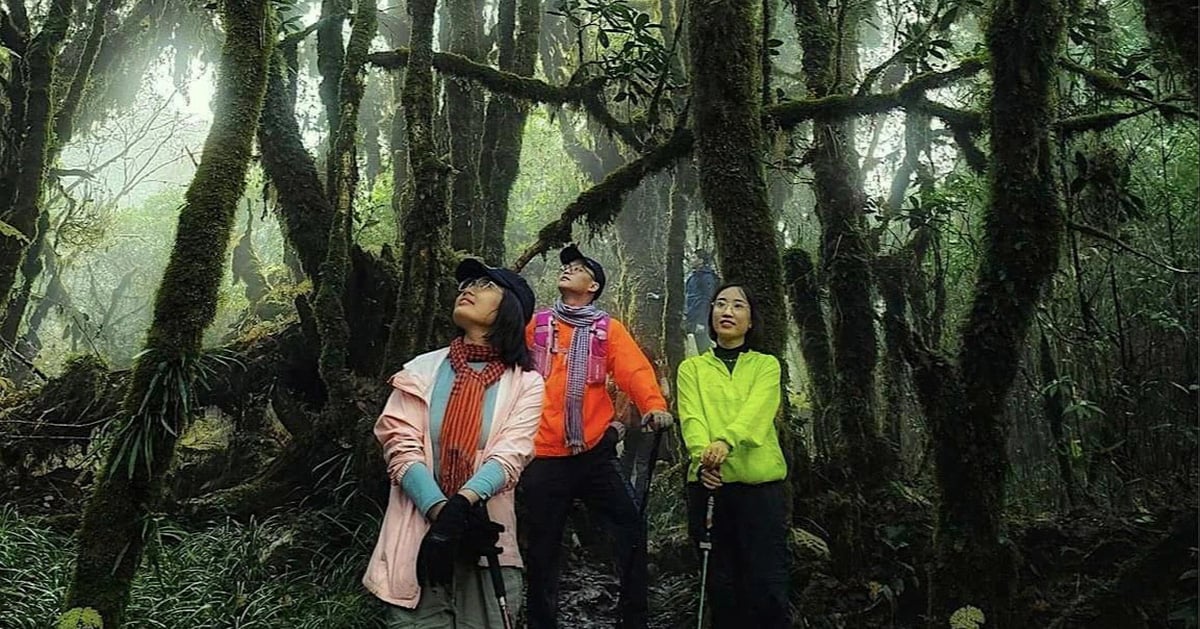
x=111 y=536
x=305 y=211
x=725 y=37
x=1023 y=227
x=427 y=213
x=504 y=123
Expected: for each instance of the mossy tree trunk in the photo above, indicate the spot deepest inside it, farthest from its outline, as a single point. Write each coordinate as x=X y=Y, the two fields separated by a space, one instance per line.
x=20 y=209
x=331 y=53
x=504 y=123
x=464 y=112
x=306 y=212
x=845 y=252
x=111 y=536
x=396 y=31
x=427 y=214
x=1023 y=227
x=328 y=307
x=682 y=204
x=725 y=40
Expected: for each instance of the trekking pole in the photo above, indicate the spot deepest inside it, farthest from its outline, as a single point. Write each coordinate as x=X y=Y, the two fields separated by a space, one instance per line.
x=650 y=465
x=493 y=563
x=493 y=560
x=705 y=548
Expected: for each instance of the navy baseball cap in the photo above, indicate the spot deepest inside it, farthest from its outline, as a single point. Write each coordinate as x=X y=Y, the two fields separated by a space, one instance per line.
x=572 y=254
x=473 y=268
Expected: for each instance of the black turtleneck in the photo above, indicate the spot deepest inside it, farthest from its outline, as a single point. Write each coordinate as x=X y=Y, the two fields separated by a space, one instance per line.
x=729 y=356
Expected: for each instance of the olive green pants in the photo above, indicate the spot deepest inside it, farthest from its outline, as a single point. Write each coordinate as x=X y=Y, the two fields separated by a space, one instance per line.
x=468 y=603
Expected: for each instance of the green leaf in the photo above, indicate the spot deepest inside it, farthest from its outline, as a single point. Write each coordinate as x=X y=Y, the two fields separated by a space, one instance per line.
x=603 y=37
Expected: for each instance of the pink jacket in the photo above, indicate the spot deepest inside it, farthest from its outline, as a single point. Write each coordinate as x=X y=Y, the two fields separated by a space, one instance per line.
x=402 y=430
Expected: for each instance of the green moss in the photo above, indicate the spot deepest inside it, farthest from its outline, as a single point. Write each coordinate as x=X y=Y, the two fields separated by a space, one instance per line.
x=80 y=618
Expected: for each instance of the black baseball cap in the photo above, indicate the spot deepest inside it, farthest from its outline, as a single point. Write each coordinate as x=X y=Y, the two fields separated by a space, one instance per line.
x=572 y=254
x=473 y=268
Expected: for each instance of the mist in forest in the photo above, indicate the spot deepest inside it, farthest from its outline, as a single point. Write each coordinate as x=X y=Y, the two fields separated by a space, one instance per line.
x=970 y=227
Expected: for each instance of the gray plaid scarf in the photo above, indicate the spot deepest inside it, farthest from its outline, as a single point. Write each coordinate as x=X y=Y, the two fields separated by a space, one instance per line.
x=580 y=318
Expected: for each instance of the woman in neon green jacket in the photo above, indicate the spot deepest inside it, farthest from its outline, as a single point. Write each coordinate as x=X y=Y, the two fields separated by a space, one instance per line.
x=728 y=399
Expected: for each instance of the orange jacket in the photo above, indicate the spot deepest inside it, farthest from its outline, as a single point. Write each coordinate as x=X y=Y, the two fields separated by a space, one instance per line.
x=627 y=366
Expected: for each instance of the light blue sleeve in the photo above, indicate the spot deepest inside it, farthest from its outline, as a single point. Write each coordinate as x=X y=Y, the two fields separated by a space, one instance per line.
x=487 y=481
x=421 y=488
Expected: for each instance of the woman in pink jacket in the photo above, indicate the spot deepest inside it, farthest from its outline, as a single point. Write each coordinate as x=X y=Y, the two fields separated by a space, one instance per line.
x=456 y=433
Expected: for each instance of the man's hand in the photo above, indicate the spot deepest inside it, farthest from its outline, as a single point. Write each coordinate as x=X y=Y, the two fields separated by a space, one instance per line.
x=715 y=454
x=710 y=478
x=657 y=420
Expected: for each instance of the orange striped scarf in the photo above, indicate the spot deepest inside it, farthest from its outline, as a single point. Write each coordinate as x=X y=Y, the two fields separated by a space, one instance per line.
x=464 y=412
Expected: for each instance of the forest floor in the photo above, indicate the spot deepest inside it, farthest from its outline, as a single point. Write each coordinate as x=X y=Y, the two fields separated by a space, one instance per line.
x=301 y=568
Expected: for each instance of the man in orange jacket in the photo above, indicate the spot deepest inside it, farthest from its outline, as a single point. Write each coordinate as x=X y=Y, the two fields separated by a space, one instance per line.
x=577 y=347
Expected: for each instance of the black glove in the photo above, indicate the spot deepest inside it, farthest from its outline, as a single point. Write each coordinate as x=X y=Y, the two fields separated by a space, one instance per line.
x=435 y=561
x=482 y=536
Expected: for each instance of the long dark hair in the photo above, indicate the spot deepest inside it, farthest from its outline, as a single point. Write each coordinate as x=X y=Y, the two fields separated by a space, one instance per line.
x=752 y=335
x=507 y=335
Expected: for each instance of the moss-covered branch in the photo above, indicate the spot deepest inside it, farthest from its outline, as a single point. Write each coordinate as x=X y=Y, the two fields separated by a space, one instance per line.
x=158 y=400
x=497 y=81
x=1108 y=119
x=600 y=204
x=908 y=95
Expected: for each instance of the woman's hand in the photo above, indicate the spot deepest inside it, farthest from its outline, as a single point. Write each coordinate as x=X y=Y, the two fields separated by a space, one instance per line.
x=714 y=455
x=710 y=478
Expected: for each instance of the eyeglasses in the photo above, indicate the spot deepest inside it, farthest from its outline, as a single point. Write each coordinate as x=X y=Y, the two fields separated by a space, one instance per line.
x=477 y=284
x=737 y=305
x=571 y=269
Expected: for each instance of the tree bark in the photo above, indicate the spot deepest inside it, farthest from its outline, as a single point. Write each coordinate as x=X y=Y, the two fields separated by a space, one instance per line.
x=111 y=537
x=725 y=39
x=464 y=111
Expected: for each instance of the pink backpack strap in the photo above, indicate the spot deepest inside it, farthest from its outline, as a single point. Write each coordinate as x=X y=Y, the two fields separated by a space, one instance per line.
x=543 y=341
x=597 y=372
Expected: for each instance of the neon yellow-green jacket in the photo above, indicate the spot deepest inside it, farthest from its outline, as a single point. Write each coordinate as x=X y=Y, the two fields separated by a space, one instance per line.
x=738 y=408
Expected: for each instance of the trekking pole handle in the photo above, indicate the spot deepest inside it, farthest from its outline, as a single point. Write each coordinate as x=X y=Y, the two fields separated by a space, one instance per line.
x=706 y=543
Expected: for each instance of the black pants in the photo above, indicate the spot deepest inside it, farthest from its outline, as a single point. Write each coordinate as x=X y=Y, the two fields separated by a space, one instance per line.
x=547 y=490
x=748 y=564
